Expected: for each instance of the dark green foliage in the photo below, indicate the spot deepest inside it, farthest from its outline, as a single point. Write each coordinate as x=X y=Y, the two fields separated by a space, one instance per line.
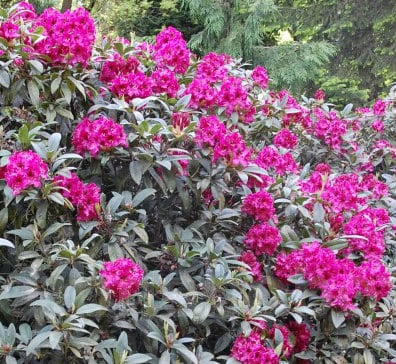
x=364 y=33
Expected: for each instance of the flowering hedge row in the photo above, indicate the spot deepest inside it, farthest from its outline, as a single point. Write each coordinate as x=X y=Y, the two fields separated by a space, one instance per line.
x=159 y=208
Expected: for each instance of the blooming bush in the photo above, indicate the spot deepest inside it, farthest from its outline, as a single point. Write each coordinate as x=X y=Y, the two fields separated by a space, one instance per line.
x=159 y=208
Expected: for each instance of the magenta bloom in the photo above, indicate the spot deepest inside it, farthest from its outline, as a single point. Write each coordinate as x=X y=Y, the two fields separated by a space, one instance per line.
x=69 y=36
x=256 y=268
x=102 y=134
x=286 y=139
x=260 y=76
x=259 y=205
x=263 y=239
x=122 y=277
x=25 y=169
x=250 y=350
x=85 y=196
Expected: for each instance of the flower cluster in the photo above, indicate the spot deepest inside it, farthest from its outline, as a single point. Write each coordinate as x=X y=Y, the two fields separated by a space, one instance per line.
x=285 y=139
x=85 y=196
x=250 y=350
x=263 y=239
x=260 y=76
x=69 y=36
x=329 y=128
x=271 y=158
x=122 y=277
x=212 y=85
x=101 y=134
x=255 y=266
x=259 y=205
x=170 y=51
x=338 y=279
x=24 y=170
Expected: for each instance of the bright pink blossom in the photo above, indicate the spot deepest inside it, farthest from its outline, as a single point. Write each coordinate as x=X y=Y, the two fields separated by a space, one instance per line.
x=85 y=197
x=101 y=134
x=122 y=277
x=170 y=50
x=255 y=267
x=24 y=170
x=260 y=76
x=69 y=36
x=263 y=239
x=285 y=139
x=259 y=205
x=250 y=350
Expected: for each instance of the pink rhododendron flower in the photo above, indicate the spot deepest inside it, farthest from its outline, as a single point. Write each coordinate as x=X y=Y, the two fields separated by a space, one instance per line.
x=164 y=81
x=319 y=95
x=329 y=128
x=285 y=139
x=9 y=30
x=117 y=66
x=260 y=76
x=263 y=239
x=250 y=350
x=69 y=36
x=170 y=50
x=232 y=148
x=379 y=107
x=269 y=157
x=122 y=277
x=259 y=205
x=180 y=120
x=378 y=126
x=131 y=86
x=210 y=130
x=287 y=347
x=373 y=279
x=101 y=134
x=86 y=197
x=301 y=334
x=213 y=67
x=367 y=223
x=256 y=268
x=24 y=170
x=202 y=93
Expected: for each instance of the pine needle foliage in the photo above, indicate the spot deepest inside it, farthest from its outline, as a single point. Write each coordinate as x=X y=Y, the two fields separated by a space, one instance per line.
x=249 y=30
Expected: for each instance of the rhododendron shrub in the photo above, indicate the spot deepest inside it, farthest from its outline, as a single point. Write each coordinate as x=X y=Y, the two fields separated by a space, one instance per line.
x=160 y=208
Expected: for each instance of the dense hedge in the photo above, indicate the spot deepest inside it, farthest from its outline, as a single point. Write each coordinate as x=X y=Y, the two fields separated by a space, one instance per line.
x=159 y=208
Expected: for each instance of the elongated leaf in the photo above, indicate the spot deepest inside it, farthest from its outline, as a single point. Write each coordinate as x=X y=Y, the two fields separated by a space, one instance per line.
x=17 y=291
x=142 y=195
x=5 y=242
x=90 y=308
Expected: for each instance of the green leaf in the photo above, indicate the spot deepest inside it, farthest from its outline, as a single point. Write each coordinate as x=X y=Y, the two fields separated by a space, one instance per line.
x=37 y=65
x=5 y=242
x=142 y=195
x=55 y=84
x=318 y=212
x=137 y=359
x=90 y=308
x=54 y=339
x=337 y=318
x=187 y=354
x=50 y=305
x=17 y=291
x=165 y=358
x=37 y=341
x=54 y=141
x=5 y=79
x=201 y=312
x=69 y=296
x=34 y=92
x=176 y=297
